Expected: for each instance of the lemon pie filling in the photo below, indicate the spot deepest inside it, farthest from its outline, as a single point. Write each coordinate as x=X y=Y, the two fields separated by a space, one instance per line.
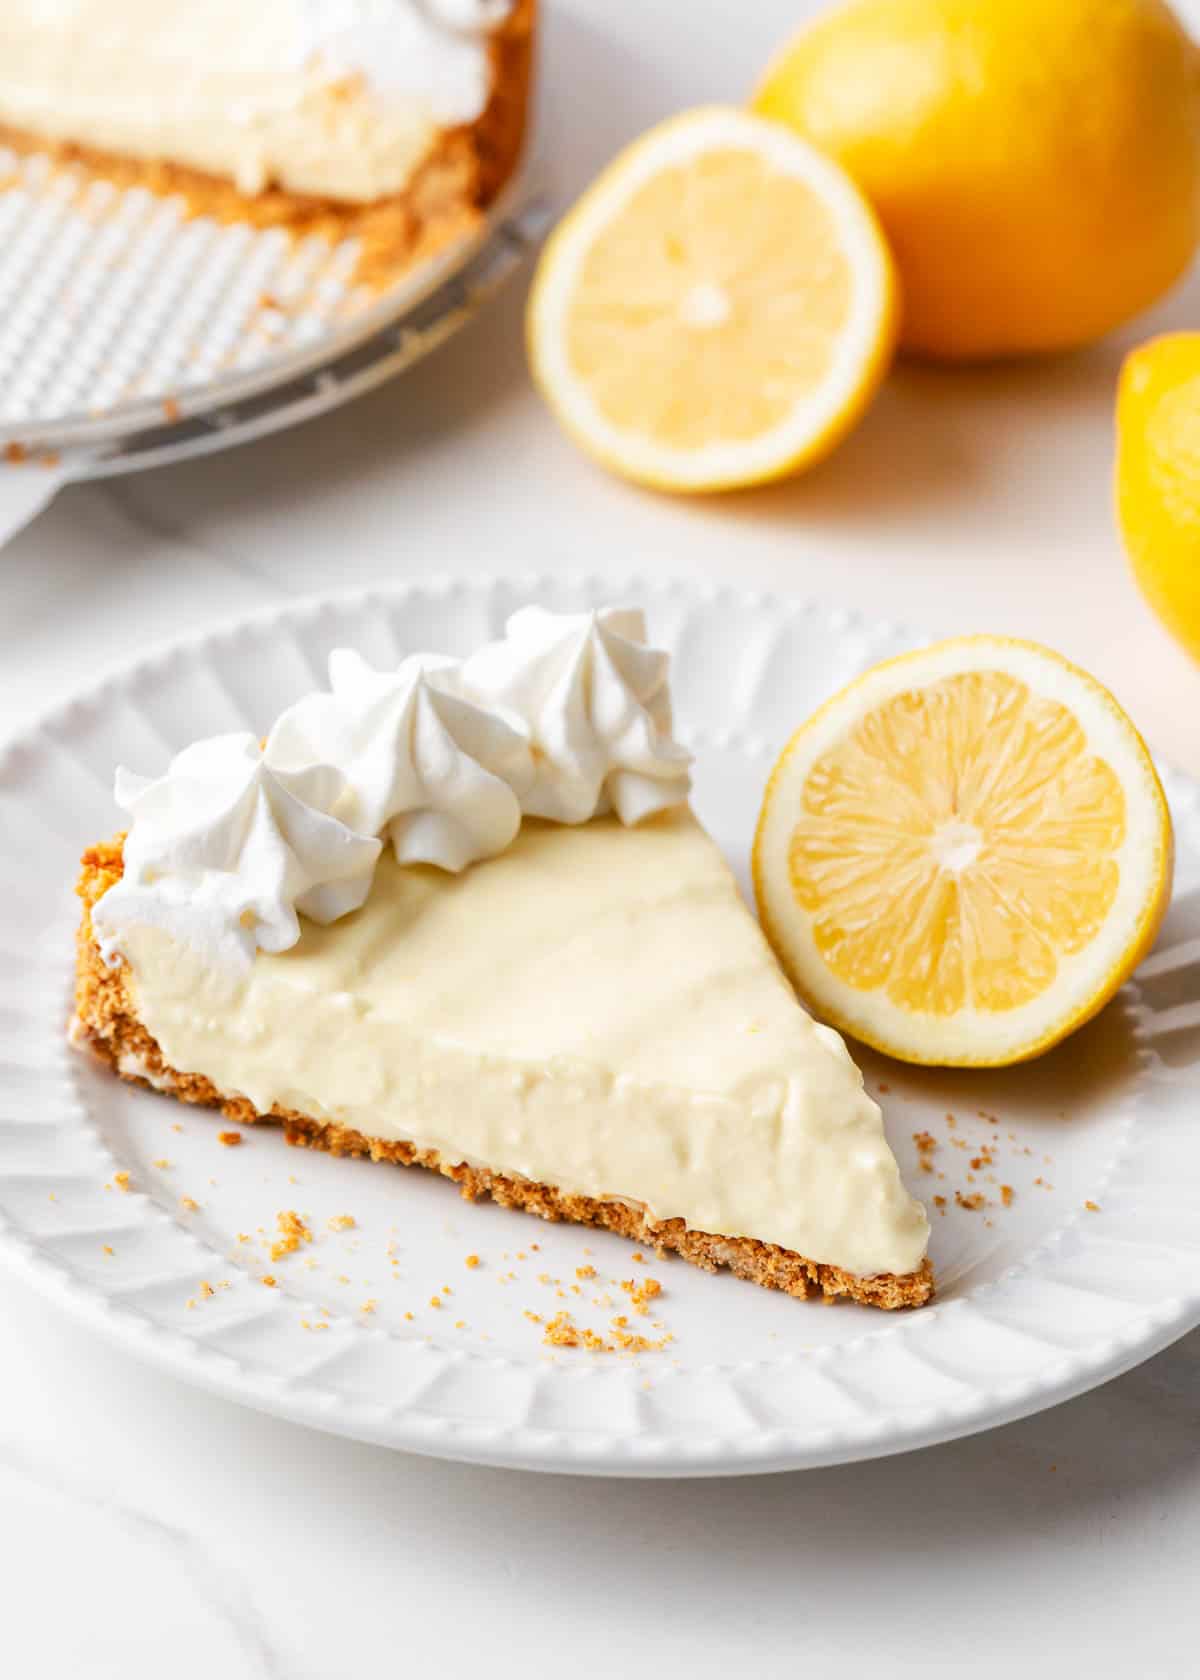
x=593 y=1008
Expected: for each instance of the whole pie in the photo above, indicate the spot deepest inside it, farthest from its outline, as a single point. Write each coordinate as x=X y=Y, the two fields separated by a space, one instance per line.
x=394 y=121
x=461 y=915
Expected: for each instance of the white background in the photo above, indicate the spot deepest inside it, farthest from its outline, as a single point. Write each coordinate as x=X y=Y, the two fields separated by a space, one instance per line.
x=146 y=1529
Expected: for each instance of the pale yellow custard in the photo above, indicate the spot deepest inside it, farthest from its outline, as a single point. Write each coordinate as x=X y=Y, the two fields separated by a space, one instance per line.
x=594 y=1008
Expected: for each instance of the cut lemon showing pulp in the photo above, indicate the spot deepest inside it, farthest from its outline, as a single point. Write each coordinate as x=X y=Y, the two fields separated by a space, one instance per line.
x=964 y=854
x=717 y=309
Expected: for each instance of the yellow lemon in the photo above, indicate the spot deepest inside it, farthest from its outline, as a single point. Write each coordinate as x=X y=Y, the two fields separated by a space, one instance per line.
x=716 y=310
x=1035 y=163
x=964 y=854
x=1158 y=477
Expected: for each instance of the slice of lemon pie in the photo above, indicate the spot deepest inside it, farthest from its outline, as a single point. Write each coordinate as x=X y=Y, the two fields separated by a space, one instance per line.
x=461 y=915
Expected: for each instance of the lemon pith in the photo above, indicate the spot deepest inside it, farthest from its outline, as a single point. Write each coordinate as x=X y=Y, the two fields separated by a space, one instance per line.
x=716 y=310
x=962 y=856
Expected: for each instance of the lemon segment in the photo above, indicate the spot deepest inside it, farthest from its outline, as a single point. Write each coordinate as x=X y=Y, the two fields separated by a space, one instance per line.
x=964 y=854
x=716 y=310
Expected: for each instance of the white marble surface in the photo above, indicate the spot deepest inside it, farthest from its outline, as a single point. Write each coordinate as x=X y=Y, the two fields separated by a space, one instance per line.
x=146 y=1529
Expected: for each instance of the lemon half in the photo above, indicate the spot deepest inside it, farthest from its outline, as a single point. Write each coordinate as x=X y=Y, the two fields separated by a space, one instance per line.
x=717 y=309
x=964 y=854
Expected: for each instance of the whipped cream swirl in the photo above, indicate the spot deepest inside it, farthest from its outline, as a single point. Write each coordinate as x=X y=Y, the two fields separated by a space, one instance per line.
x=565 y=717
x=434 y=51
x=437 y=775
x=225 y=850
x=596 y=704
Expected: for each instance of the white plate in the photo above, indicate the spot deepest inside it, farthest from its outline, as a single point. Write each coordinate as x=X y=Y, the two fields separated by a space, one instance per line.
x=1039 y=1300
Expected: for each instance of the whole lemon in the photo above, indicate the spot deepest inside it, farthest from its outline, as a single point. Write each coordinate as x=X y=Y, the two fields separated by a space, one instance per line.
x=1035 y=163
x=1158 y=477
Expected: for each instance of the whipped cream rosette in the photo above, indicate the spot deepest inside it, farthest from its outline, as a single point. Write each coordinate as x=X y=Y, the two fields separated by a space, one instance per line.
x=432 y=50
x=596 y=703
x=436 y=775
x=225 y=850
x=567 y=717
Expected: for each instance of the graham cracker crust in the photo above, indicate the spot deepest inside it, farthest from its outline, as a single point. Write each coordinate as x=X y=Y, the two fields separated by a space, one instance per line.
x=446 y=198
x=106 y=1024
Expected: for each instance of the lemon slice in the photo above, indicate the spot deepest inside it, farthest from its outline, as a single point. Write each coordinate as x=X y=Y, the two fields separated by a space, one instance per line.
x=964 y=854
x=717 y=309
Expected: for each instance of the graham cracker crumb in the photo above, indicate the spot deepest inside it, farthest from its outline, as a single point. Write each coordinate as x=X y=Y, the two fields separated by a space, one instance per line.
x=642 y=1293
x=971 y=1203
x=435 y=1300
x=122 y=1181
x=292 y=1232
x=1006 y=1194
x=189 y=1204
x=1092 y=1207
x=162 y=1164
x=585 y=1271
x=562 y=1331
x=369 y=1306
x=471 y=1261
x=108 y=1248
x=229 y=1139
x=342 y=1222
x=268 y=1280
x=629 y=1343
